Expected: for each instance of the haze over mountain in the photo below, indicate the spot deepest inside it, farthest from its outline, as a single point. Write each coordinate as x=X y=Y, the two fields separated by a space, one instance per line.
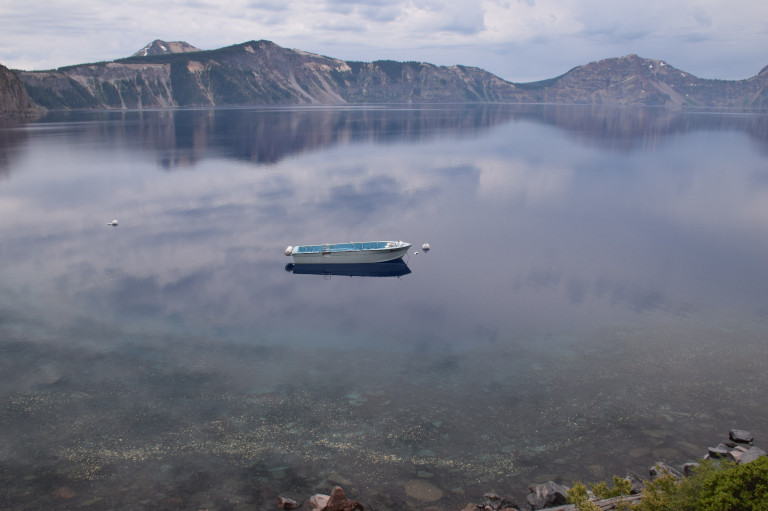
x=176 y=74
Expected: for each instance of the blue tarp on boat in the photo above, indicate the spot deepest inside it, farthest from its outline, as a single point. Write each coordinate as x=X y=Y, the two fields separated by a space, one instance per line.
x=340 y=247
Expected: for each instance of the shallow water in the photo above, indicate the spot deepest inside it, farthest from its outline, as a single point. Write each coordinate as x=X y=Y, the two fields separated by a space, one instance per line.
x=594 y=301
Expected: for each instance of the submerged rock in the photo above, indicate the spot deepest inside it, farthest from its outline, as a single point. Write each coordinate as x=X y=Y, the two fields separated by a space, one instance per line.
x=284 y=503
x=423 y=491
x=338 y=480
x=64 y=493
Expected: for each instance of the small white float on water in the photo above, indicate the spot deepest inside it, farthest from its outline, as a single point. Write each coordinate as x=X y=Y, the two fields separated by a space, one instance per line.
x=425 y=247
x=113 y=223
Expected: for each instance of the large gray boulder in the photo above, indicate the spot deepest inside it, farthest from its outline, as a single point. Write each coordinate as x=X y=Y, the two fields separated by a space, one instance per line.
x=751 y=455
x=638 y=485
x=659 y=469
x=740 y=436
x=494 y=502
x=549 y=494
x=720 y=451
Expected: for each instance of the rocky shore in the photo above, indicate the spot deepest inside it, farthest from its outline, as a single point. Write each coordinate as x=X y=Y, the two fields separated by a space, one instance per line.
x=552 y=496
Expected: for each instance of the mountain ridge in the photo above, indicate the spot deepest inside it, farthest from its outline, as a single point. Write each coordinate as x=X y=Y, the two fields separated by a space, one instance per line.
x=261 y=72
x=160 y=47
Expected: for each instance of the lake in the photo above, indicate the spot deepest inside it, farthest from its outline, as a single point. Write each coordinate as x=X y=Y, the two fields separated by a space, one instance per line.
x=595 y=299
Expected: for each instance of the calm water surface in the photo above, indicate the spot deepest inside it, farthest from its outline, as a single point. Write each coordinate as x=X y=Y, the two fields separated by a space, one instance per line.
x=595 y=300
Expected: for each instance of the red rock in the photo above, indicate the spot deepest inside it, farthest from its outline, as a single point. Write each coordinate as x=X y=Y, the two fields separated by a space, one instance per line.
x=340 y=502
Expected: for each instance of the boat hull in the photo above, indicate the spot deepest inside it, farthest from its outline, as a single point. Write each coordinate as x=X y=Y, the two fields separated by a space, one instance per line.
x=348 y=253
x=355 y=257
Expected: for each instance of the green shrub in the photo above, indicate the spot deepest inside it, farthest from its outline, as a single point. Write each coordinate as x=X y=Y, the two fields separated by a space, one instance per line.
x=578 y=496
x=621 y=487
x=743 y=487
x=577 y=493
x=721 y=486
x=713 y=486
x=662 y=494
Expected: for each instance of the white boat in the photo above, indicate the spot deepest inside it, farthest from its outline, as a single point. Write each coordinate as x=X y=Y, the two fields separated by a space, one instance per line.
x=349 y=253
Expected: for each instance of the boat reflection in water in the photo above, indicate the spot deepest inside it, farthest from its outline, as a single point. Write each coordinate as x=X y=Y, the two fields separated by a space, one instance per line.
x=396 y=268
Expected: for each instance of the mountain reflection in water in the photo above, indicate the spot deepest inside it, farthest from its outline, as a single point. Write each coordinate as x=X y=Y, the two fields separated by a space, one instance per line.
x=180 y=138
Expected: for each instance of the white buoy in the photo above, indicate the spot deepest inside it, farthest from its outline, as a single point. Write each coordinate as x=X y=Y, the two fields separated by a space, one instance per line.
x=289 y=250
x=113 y=223
x=425 y=247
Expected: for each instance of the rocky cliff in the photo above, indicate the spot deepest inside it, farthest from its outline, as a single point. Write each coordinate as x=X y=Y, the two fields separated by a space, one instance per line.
x=14 y=100
x=638 y=81
x=257 y=72
x=261 y=72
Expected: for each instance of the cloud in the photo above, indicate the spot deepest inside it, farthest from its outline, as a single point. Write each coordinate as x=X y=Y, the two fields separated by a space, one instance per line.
x=268 y=5
x=701 y=17
x=374 y=10
x=518 y=40
x=516 y=179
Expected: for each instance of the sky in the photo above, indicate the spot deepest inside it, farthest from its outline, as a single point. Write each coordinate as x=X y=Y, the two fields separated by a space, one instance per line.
x=517 y=40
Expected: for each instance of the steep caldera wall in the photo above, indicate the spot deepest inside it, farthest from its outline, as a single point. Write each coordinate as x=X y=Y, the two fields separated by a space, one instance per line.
x=14 y=100
x=257 y=72
x=261 y=72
